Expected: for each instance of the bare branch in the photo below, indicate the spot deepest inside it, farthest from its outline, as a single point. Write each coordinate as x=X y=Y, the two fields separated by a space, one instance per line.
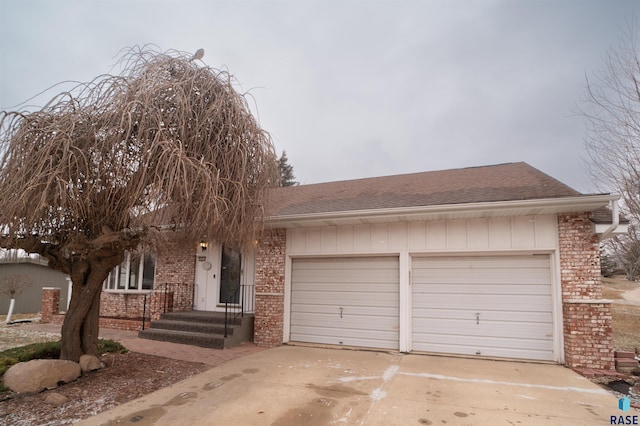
x=13 y=285
x=168 y=140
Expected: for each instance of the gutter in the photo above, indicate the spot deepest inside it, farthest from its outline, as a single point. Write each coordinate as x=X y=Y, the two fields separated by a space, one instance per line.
x=615 y=221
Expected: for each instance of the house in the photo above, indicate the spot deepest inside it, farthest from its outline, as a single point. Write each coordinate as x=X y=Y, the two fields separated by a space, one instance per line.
x=29 y=301
x=495 y=261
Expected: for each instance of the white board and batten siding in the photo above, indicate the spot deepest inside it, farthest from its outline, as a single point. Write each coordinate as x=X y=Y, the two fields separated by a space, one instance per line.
x=491 y=234
x=345 y=301
x=444 y=272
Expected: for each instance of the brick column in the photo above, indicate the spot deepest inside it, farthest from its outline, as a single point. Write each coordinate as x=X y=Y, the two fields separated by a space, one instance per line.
x=587 y=318
x=270 y=270
x=50 y=303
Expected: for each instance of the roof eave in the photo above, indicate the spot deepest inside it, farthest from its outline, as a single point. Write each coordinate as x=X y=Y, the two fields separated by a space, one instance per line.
x=581 y=203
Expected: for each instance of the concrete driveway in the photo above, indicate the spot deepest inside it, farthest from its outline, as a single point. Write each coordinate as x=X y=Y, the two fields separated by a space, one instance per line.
x=296 y=385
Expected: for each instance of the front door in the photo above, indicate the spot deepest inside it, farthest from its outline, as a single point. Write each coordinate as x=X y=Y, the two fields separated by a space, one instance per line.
x=218 y=277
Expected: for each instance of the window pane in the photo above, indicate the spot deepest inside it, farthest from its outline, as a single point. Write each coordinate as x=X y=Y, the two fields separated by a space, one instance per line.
x=122 y=276
x=113 y=278
x=134 y=271
x=149 y=271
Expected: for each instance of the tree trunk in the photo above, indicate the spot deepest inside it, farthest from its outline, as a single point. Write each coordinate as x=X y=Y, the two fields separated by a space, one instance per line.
x=10 y=312
x=91 y=326
x=80 y=327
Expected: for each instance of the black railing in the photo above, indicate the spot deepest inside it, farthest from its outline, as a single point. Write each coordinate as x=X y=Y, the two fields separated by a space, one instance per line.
x=164 y=298
x=240 y=302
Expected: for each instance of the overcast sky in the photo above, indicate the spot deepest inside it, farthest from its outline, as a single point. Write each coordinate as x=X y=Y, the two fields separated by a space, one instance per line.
x=355 y=89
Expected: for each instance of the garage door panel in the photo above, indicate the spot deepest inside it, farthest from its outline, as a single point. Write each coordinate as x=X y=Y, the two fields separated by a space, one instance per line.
x=364 y=340
x=346 y=321
x=341 y=277
x=511 y=330
x=482 y=302
x=470 y=315
x=338 y=334
x=345 y=286
x=487 y=347
x=485 y=276
x=511 y=294
x=338 y=299
x=348 y=301
x=384 y=311
x=492 y=288
x=488 y=262
x=346 y=263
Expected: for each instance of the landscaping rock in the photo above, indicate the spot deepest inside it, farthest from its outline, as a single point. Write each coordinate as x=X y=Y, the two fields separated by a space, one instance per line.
x=39 y=374
x=55 y=399
x=90 y=363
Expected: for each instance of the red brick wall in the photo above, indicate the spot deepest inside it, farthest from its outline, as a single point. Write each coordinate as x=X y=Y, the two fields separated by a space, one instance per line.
x=121 y=305
x=176 y=263
x=270 y=270
x=587 y=319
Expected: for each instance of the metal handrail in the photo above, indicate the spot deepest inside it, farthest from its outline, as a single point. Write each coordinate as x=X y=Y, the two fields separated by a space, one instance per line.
x=152 y=304
x=245 y=304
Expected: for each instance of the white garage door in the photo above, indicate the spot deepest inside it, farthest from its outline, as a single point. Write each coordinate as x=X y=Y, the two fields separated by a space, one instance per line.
x=345 y=301
x=493 y=306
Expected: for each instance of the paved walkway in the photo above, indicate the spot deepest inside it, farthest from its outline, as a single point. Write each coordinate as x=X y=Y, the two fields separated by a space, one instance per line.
x=130 y=340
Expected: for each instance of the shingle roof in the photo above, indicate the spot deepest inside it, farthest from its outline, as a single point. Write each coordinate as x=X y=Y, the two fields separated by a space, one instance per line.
x=502 y=182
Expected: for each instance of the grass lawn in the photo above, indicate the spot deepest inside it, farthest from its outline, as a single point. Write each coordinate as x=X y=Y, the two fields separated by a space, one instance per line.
x=626 y=317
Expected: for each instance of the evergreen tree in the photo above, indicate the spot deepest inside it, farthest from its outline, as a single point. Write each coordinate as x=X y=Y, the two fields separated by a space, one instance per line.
x=287 y=177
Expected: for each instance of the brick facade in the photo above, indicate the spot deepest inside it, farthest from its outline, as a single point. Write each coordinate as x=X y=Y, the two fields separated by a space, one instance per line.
x=587 y=319
x=270 y=270
x=175 y=263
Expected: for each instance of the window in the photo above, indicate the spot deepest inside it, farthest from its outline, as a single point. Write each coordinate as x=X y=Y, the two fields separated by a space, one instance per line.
x=135 y=273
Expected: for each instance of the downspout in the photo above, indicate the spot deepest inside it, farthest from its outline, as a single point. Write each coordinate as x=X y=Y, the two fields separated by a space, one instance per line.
x=615 y=221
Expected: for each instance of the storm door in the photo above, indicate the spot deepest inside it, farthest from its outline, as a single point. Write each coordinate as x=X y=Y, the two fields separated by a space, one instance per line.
x=230 y=270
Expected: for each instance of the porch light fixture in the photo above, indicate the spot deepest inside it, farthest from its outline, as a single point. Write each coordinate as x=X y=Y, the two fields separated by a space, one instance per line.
x=204 y=245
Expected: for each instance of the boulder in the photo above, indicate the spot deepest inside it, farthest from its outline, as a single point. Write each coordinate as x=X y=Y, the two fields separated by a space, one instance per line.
x=90 y=363
x=55 y=399
x=39 y=374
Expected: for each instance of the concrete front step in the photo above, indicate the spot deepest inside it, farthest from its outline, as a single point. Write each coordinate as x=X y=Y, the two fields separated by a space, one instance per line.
x=201 y=317
x=205 y=329
x=198 y=327
x=203 y=340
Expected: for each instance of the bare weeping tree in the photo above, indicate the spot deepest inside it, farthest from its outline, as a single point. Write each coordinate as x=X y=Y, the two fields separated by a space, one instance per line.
x=13 y=286
x=612 y=116
x=166 y=145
